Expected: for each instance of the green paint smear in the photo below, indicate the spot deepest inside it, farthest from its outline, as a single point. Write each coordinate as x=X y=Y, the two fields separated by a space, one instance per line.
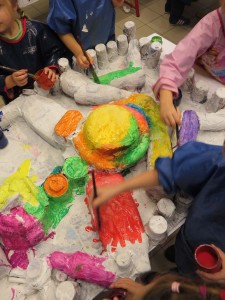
x=134 y=155
x=107 y=78
x=133 y=133
x=49 y=212
x=76 y=170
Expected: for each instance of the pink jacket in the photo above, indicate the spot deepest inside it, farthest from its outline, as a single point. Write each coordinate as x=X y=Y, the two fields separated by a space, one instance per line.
x=204 y=43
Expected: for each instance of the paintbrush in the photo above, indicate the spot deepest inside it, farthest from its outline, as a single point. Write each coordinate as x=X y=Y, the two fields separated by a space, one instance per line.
x=176 y=103
x=95 y=196
x=11 y=70
x=91 y=67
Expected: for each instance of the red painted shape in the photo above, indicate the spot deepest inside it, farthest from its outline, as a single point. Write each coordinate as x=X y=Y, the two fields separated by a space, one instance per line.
x=120 y=219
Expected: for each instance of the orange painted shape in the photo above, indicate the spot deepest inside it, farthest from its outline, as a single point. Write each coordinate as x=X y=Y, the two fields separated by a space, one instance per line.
x=68 y=123
x=56 y=185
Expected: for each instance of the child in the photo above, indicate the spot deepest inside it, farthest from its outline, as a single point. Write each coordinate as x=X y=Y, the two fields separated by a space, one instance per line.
x=206 y=43
x=26 y=46
x=175 y=8
x=92 y=21
x=198 y=170
x=170 y=287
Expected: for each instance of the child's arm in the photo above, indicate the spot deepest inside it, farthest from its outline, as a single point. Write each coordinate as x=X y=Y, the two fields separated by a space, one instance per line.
x=169 y=114
x=144 y=180
x=176 y=65
x=71 y=43
x=117 y=3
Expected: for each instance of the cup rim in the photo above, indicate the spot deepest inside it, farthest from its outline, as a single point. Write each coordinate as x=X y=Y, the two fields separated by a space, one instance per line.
x=212 y=250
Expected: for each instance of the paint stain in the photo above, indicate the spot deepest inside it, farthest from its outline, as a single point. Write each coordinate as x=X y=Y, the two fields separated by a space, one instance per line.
x=120 y=219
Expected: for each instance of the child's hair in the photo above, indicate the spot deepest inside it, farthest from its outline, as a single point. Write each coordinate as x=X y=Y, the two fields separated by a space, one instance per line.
x=175 y=287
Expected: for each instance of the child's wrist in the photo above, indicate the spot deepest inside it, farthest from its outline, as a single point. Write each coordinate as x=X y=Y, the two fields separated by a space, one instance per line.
x=10 y=82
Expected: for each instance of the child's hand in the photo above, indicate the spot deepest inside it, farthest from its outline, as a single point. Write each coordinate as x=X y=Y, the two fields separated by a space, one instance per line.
x=51 y=74
x=135 y=291
x=82 y=61
x=105 y=194
x=218 y=277
x=169 y=114
x=19 y=78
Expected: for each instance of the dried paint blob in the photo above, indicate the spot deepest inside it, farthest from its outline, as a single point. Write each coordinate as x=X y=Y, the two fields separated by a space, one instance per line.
x=56 y=185
x=76 y=170
x=113 y=137
x=80 y=265
x=68 y=123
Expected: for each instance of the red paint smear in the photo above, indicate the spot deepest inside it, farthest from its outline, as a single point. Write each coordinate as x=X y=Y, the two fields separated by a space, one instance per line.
x=50 y=236
x=96 y=240
x=89 y=228
x=207 y=259
x=120 y=219
x=13 y=293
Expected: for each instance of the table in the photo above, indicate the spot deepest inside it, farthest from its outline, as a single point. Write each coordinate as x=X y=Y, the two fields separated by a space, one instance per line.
x=27 y=136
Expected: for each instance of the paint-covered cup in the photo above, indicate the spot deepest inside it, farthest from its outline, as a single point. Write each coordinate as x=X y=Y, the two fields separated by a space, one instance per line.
x=56 y=187
x=208 y=258
x=43 y=81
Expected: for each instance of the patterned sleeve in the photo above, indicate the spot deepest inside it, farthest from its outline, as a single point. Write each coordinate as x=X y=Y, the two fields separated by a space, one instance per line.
x=62 y=15
x=51 y=47
x=192 y=165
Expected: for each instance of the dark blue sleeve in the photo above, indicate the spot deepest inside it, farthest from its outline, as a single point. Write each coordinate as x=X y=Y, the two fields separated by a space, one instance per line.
x=62 y=15
x=192 y=165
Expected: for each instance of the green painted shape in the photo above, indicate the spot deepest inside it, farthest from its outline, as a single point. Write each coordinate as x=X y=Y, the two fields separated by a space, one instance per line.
x=107 y=78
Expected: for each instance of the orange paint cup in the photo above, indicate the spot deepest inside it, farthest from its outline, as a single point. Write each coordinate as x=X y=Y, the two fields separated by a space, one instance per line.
x=208 y=258
x=56 y=186
x=43 y=81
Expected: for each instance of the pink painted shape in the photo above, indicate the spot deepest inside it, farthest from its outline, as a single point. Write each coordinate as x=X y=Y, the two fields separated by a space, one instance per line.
x=19 y=231
x=120 y=218
x=82 y=266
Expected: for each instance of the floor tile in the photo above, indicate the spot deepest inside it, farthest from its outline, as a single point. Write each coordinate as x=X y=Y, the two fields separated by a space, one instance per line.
x=136 y=20
x=147 y=15
x=176 y=34
x=160 y=25
x=144 y=31
x=157 y=6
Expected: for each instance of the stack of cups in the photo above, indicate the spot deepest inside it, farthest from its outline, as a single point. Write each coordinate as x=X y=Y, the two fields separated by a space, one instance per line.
x=217 y=101
x=130 y=30
x=157 y=230
x=182 y=203
x=145 y=46
x=155 y=52
x=63 y=64
x=112 y=50
x=66 y=290
x=102 y=56
x=122 y=44
x=200 y=91
x=124 y=263
x=166 y=208
x=187 y=86
x=93 y=55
